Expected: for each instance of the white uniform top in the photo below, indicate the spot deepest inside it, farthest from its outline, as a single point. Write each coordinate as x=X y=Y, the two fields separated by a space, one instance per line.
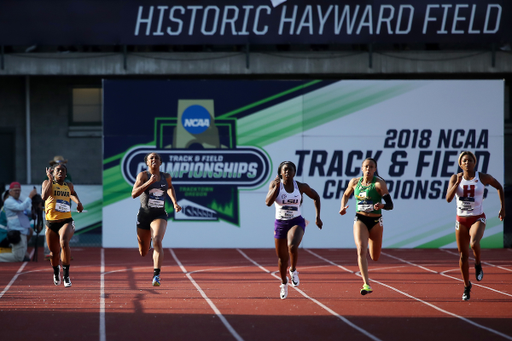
x=470 y=197
x=288 y=204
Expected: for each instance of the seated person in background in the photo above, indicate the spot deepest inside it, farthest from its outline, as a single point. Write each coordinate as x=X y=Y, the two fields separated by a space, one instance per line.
x=4 y=241
x=15 y=249
x=3 y=223
x=18 y=212
x=3 y=217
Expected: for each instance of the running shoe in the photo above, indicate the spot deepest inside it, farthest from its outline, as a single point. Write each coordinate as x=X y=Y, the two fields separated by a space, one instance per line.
x=283 y=293
x=67 y=282
x=366 y=289
x=479 y=273
x=467 y=292
x=294 y=277
x=156 y=281
x=56 y=279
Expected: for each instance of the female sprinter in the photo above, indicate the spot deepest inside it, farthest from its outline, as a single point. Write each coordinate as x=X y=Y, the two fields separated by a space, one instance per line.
x=60 y=227
x=468 y=186
x=368 y=190
x=151 y=186
x=289 y=226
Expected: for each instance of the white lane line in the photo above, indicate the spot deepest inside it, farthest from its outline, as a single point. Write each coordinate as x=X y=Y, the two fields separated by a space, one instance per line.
x=252 y=261
x=473 y=283
x=344 y=319
x=16 y=275
x=445 y=275
x=103 y=335
x=212 y=305
x=217 y=269
x=191 y=272
x=328 y=261
x=410 y=263
x=427 y=303
x=486 y=263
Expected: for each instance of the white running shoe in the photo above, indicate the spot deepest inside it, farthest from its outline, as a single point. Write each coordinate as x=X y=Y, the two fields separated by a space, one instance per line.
x=294 y=277
x=283 y=293
x=156 y=281
x=67 y=282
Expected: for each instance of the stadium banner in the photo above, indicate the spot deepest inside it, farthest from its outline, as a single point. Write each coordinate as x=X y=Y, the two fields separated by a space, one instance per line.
x=222 y=142
x=181 y=22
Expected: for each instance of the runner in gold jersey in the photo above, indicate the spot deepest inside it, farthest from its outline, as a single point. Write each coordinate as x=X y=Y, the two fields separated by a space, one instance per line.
x=60 y=227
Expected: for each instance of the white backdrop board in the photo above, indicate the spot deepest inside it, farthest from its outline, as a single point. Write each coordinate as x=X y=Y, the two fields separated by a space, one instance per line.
x=415 y=130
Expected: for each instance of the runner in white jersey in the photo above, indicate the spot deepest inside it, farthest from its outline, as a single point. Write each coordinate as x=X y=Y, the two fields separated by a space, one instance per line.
x=469 y=187
x=289 y=226
x=288 y=204
x=470 y=197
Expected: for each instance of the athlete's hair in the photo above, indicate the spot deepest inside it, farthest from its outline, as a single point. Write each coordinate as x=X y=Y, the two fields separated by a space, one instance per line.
x=59 y=164
x=467 y=152
x=281 y=166
x=148 y=154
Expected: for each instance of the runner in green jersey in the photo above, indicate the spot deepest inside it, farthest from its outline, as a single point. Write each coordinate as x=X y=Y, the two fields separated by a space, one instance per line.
x=369 y=190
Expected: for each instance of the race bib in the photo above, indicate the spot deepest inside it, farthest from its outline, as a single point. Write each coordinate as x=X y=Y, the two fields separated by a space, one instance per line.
x=286 y=215
x=155 y=203
x=365 y=206
x=62 y=206
x=288 y=212
x=466 y=204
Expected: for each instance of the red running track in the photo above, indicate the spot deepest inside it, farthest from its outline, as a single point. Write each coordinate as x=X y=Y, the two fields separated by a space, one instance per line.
x=232 y=294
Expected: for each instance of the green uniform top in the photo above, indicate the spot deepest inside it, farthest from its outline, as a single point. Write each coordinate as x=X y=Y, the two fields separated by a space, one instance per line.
x=367 y=196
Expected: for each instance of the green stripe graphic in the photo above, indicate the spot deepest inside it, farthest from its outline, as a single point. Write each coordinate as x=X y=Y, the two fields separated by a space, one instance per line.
x=268 y=99
x=312 y=110
x=492 y=241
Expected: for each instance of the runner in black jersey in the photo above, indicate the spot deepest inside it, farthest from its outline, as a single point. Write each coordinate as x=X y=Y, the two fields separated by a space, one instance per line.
x=151 y=186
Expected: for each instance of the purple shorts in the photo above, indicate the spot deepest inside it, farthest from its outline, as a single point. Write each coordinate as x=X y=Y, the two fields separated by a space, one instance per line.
x=281 y=227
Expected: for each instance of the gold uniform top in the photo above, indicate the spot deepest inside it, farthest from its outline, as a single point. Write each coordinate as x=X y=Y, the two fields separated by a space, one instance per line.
x=58 y=204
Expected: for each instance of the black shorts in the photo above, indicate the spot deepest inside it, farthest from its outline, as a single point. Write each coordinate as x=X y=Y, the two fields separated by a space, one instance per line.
x=145 y=218
x=369 y=222
x=56 y=226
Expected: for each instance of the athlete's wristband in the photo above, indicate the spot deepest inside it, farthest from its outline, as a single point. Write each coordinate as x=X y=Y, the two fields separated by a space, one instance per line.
x=388 y=202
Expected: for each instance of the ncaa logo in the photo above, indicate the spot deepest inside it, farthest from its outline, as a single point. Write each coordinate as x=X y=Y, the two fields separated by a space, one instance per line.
x=195 y=119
